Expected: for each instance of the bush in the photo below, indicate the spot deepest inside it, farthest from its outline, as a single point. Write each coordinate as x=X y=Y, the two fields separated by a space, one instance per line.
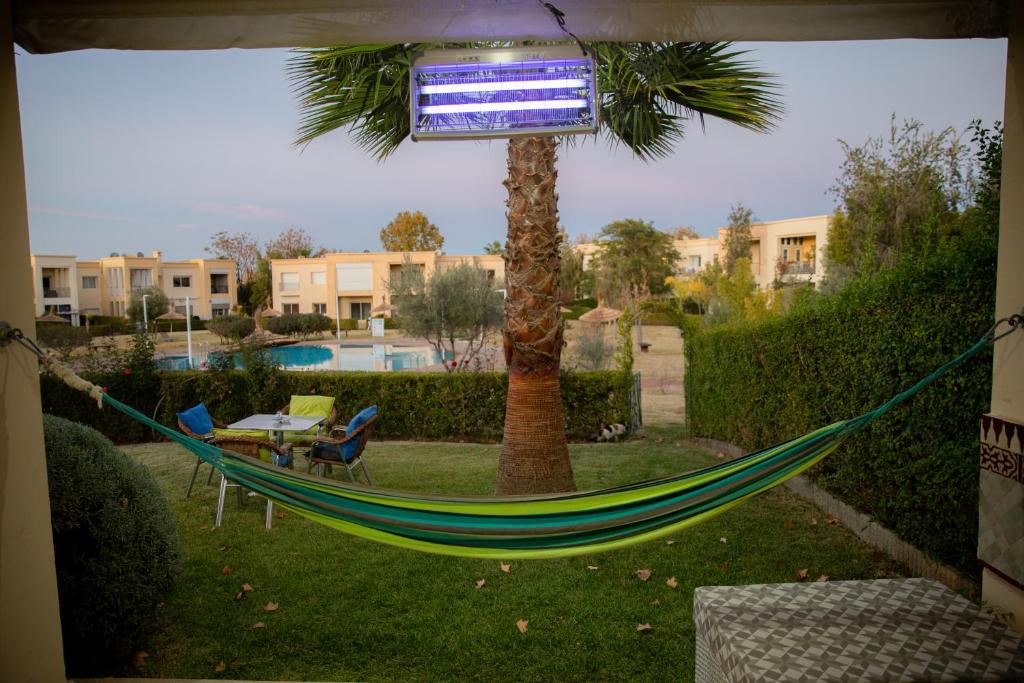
x=233 y=328
x=413 y=405
x=302 y=325
x=115 y=544
x=916 y=469
x=591 y=350
x=63 y=339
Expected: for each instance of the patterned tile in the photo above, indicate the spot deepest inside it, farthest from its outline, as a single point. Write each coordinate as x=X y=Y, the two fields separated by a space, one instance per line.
x=1002 y=447
x=1001 y=525
x=906 y=629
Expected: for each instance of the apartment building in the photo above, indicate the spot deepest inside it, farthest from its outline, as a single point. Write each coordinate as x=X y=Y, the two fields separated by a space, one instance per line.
x=72 y=288
x=789 y=249
x=349 y=285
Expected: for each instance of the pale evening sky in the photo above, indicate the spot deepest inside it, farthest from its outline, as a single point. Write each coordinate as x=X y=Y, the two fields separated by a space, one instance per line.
x=137 y=151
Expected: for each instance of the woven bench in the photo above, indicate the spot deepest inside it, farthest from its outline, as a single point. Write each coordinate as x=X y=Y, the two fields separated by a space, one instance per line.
x=885 y=630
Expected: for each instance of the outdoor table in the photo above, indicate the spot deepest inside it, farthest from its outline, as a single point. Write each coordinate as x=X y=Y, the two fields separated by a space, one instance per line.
x=885 y=630
x=278 y=426
x=287 y=423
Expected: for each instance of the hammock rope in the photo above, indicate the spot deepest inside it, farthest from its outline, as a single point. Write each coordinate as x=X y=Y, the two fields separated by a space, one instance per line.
x=526 y=527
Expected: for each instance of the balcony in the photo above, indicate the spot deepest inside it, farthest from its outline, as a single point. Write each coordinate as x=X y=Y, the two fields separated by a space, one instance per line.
x=56 y=292
x=800 y=268
x=218 y=289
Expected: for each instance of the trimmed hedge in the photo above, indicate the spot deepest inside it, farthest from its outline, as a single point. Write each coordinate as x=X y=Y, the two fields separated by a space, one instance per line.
x=413 y=405
x=916 y=469
x=115 y=543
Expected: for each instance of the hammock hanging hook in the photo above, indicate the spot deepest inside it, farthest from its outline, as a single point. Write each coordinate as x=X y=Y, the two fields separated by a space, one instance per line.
x=1015 y=321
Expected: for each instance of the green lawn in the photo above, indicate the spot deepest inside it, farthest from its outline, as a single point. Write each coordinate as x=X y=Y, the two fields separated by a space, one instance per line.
x=350 y=609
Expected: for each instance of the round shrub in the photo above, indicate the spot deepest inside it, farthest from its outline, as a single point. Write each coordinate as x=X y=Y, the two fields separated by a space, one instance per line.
x=231 y=327
x=116 y=546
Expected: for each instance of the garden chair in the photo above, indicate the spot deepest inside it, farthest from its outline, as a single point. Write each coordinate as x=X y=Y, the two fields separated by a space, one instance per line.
x=310 y=406
x=345 y=446
x=196 y=422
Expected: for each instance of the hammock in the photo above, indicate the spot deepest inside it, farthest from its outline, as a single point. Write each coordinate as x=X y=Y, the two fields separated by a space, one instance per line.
x=526 y=527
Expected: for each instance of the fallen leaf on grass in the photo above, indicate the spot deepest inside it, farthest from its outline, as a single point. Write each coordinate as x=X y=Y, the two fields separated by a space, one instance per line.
x=823 y=578
x=722 y=540
x=228 y=570
x=660 y=439
x=788 y=524
x=481 y=583
x=139 y=659
x=124 y=503
x=522 y=624
x=643 y=574
x=643 y=628
x=221 y=666
x=832 y=520
x=720 y=454
x=801 y=575
x=224 y=548
x=505 y=567
x=724 y=567
x=204 y=526
x=240 y=595
x=672 y=583
x=814 y=521
x=258 y=625
x=655 y=602
x=670 y=542
x=270 y=607
x=593 y=567
x=280 y=515
x=246 y=588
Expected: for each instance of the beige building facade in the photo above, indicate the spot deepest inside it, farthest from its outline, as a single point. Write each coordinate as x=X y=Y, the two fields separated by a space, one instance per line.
x=349 y=285
x=790 y=250
x=72 y=288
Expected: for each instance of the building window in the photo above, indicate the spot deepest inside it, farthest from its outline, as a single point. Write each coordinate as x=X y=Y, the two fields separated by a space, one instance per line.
x=89 y=282
x=320 y=308
x=219 y=283
x=360 y=310
x=220 y=309
x=290 y=309
x=289 y=282
x=181 y=281
x=318 y=277
x=141 y=278
x=785 y=255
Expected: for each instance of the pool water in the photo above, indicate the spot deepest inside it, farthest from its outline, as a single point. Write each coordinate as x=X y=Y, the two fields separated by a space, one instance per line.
x=370 y=358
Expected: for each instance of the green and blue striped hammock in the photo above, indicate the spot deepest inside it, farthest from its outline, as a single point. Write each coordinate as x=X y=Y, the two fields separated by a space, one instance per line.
x=525 y=527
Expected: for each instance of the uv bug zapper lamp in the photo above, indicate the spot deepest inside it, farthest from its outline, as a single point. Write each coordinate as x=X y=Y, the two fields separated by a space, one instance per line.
x=501 y=93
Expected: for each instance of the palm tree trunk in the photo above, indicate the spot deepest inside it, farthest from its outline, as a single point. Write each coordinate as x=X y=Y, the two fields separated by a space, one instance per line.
x=534 y=455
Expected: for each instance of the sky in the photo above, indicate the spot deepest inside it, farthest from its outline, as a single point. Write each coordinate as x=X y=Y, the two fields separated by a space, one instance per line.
x=144 y=151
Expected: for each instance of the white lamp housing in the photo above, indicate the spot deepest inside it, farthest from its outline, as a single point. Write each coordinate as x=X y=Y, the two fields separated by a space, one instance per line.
x=503 y=93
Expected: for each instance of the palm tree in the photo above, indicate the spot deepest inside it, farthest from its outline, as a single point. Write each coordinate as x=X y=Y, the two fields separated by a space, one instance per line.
x=648 y=93
x=494 y=248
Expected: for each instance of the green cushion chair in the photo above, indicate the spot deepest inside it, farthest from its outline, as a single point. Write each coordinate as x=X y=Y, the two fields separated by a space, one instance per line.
x=309 y=406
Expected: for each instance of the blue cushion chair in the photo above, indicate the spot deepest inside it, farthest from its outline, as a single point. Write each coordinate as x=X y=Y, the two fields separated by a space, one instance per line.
x=345 y=445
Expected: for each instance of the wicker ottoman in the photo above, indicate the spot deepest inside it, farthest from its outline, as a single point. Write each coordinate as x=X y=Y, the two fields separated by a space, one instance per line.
x=886 y=630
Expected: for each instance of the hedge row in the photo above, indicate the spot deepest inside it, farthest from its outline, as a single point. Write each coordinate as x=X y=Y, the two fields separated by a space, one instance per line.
x=916 y=469
x=412 y=405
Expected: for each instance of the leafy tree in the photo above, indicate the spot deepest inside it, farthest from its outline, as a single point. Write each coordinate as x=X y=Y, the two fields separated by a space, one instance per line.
x=411 y=231
x=692 y=290
x=494 y=248
x=156 y=304
x=649 y=92
x=292 y=243
x=737 y=237
x=634 y=260
x=571 y=276
x=897 y=195
x=457 y=304
x=592 y=351
x=240 y=247
x=261 y=292
x=684 y=232
x=233 y=328
x=736 y=296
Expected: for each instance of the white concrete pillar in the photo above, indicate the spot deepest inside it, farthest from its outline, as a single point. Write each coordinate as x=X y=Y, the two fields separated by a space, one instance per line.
x=30 y=640
x=1001 y=507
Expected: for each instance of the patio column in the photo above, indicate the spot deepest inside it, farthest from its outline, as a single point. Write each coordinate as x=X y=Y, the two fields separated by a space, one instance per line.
x=30 y=640
x=1001 y=505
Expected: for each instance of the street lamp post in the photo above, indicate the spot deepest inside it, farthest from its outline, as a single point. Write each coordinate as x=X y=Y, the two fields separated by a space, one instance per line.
x=145 y=314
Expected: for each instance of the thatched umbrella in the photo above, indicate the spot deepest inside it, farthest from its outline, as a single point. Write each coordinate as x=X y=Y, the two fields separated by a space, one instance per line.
x=52 y=317
x=383 y=307
x=563 y=309
x=172 y=316
x=602 y=314
x=270 y=313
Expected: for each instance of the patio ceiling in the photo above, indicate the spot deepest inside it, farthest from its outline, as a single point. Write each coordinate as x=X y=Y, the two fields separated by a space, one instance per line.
x=42 y=26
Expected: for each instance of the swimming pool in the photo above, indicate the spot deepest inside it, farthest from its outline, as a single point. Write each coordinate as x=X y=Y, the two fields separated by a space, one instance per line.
x=368 y=358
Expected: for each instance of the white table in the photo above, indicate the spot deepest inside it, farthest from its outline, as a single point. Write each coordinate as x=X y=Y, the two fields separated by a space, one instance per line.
x=270 y=423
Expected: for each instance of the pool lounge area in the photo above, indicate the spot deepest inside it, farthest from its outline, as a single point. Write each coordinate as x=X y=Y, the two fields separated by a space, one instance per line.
x=331 y=356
